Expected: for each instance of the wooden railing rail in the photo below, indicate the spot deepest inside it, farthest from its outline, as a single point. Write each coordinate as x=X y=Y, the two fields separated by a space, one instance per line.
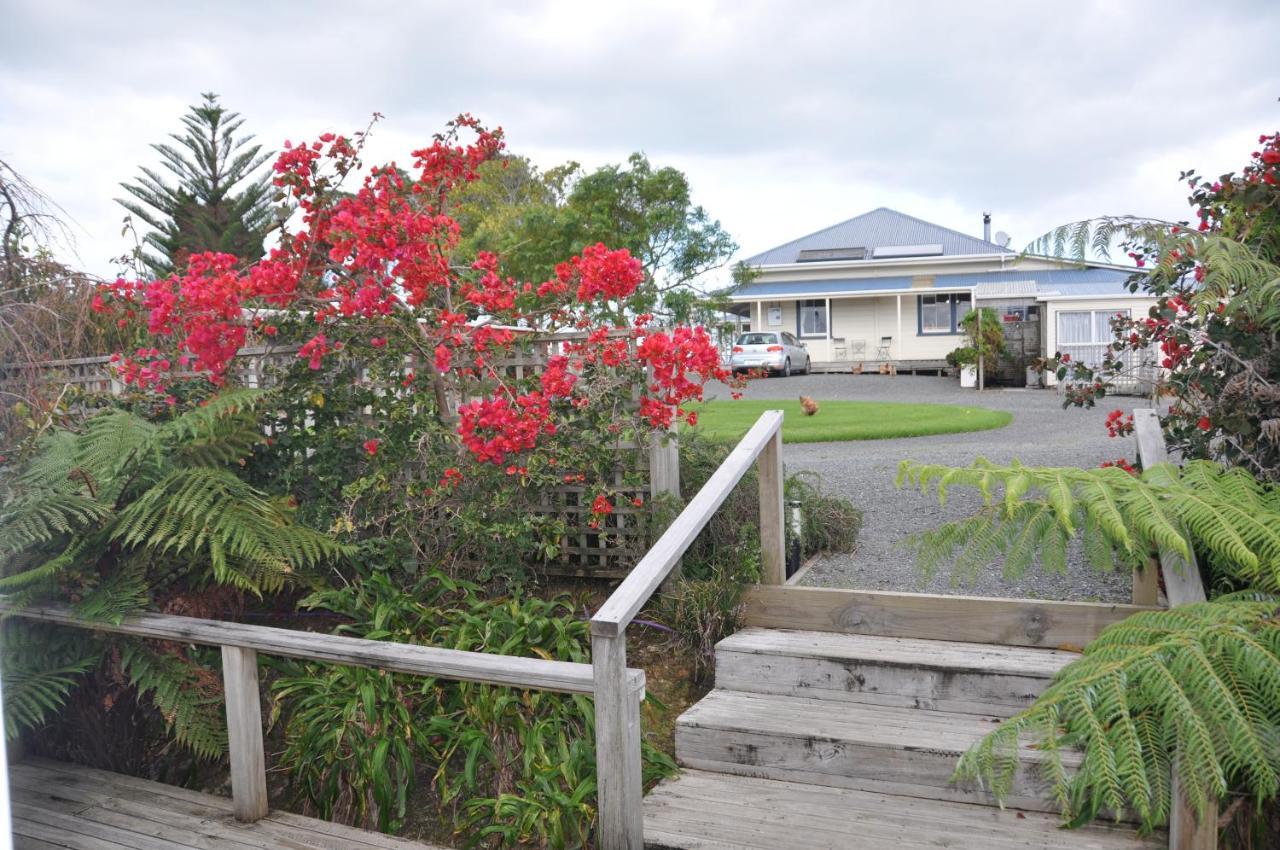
x=242 y=642
x=1182 y=586
x=621 y=825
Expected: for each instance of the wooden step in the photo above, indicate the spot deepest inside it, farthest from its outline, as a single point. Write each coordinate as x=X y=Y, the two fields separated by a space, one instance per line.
x=713 y=811
x=893 y=750
x=968 y=678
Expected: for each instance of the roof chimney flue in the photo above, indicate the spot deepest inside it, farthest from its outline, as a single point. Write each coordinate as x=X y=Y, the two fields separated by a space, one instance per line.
x=986 y=227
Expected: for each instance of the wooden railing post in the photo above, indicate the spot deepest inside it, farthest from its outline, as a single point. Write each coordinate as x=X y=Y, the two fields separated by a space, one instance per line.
x=1146 y=584
x=1182 y=587
x=620 y=820
x=773 y=535
x=664 y=478
x=244 y=733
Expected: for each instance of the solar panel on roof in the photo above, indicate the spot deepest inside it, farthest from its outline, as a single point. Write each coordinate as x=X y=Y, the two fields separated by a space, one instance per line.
x=886 y=251
x=818 y=255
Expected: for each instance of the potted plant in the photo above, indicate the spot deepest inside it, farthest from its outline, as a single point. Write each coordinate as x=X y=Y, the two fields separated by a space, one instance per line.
x=985 y=345
x=965 y=361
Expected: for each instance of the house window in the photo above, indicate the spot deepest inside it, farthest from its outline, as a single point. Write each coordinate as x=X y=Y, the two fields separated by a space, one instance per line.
x=1085 y=334
x=941 y=314
x=813 y=317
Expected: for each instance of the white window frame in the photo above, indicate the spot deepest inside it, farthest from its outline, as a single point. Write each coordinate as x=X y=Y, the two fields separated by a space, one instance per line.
x=951 y=300
x=1089 y=353
x=823 y=306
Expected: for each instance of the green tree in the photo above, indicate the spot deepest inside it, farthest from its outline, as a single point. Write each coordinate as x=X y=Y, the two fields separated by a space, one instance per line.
x=534 y=219
x=218 y=201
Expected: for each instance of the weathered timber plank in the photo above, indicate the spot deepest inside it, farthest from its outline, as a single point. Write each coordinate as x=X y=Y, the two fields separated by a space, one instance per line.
x=773 y=536
x=513 y=671
x=1182 y=586
x=244 y=733
x=941 y=675
x=618 y=769
x=128 y=801
x=1182 y=583
x=852 y=745
x=697 y=807
x=971 y=619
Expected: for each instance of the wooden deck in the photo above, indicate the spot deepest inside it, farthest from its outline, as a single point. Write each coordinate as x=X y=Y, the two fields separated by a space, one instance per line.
x=69 y=807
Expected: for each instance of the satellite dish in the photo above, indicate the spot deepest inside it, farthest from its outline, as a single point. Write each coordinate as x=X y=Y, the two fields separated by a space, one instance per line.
x=1003 y=239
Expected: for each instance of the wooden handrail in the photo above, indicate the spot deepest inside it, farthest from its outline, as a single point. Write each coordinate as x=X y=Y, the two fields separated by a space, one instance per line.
x=617 y=612
x=618 y=768
x=513 y=671
x=1182 y=586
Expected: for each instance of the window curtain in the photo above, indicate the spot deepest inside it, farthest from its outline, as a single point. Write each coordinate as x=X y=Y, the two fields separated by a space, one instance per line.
x=1075 y=328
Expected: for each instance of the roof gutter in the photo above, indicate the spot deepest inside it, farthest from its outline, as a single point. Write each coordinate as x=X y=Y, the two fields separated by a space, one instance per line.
x=865 y=293
x=887 y=263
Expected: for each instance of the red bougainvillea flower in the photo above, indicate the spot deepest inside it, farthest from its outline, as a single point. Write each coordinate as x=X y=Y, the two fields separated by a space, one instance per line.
x=1204 y=424
x=1120 y=463
x=602 y=506
x=383 y=253
x=1118 y=424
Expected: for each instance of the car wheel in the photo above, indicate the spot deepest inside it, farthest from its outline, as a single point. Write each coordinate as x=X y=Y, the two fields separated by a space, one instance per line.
x=786 y=368
x=808 y=365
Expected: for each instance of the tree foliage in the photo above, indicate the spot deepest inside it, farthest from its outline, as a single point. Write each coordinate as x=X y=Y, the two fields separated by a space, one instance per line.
x=214 y=198
x=533 y=219
x=1215 y=327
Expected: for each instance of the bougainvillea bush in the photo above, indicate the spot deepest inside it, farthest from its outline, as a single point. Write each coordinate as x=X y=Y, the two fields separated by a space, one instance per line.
x=1213 y=329
x=453 y=445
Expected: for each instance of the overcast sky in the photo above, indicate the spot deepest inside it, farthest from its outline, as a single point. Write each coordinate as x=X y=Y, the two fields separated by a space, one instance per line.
x=786 y=116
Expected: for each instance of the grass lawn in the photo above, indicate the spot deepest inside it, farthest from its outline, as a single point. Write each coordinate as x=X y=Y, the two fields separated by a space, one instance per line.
x=727 y=421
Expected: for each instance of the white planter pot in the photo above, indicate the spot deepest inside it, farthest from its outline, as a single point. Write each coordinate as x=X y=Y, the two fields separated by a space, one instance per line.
x=968 y=377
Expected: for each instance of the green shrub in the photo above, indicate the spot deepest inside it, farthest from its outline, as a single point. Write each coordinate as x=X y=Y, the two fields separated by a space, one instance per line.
x=515 y=767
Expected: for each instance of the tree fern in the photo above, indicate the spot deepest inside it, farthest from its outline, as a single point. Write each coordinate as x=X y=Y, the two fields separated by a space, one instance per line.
x=107 y=515
x=1197 y=686
x=1199 y=682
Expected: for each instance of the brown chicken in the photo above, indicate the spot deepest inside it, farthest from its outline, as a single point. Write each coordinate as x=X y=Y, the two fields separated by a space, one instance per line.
x=809 y=405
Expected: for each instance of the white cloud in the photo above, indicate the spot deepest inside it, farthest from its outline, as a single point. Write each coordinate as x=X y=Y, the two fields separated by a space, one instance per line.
x=787 y=117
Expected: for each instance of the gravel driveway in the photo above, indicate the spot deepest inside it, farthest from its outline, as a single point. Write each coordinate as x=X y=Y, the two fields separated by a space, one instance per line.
x=1041 y=433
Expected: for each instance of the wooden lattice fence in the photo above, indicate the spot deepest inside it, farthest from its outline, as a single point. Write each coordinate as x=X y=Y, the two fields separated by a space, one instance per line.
x=607 y=551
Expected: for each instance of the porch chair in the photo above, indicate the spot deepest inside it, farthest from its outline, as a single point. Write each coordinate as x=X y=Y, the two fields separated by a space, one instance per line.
x=882 y=351
x=839 y=348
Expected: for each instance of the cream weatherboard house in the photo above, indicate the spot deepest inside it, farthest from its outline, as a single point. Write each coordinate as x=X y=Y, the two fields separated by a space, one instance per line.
x=887 y=287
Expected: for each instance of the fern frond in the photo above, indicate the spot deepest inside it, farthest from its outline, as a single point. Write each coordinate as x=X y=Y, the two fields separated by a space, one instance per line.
x=40 y=517
x=247 y=539
x=1198 y=685
x=1225 y=513
x=224 y=430
x=40 y=666
x=187 y=694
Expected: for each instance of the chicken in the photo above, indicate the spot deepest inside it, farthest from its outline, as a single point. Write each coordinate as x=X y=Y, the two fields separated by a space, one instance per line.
x=809 y=405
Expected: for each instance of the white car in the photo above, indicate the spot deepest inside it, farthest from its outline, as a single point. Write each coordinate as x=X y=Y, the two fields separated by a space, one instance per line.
x=776 y=351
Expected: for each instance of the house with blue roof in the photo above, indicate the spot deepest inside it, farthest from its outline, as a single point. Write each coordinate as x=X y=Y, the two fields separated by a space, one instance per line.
x=886 y=287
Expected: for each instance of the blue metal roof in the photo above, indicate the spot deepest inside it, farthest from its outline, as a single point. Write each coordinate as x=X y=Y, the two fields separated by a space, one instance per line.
x=880 y=228
x=1075 y=281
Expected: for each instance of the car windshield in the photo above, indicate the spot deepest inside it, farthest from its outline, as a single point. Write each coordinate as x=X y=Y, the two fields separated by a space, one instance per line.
x=757 y=339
